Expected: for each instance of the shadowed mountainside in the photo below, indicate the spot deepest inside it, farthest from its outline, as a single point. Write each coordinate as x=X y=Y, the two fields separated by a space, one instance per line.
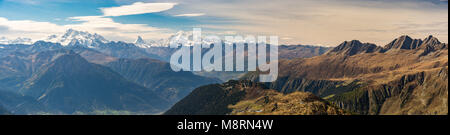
x=71 y=85
x=159 y=77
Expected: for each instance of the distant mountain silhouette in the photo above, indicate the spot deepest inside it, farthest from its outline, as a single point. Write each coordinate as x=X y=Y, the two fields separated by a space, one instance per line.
x=71 y=84
x=350 y=48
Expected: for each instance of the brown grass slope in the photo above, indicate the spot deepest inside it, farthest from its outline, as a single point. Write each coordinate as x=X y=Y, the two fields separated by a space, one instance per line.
x=245 y=97
x=297 y=103
x=402 y=77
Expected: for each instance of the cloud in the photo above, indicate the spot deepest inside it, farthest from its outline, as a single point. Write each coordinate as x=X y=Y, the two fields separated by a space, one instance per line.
x=326 y=22
x=103 y=24
x=137 y=8
x=98 y=24
x=28 y=28
x=191 y=15
x=108 y=27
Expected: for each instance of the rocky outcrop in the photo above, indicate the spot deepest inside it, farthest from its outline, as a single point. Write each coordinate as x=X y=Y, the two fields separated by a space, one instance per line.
x=420 y=93
x=350 y=48
x=432 y=44
x=404 y=42
x=321 y=88
x=426 y=46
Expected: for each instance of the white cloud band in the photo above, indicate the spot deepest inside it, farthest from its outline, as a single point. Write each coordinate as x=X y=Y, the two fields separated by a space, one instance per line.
x=137 y=8
x=191 y=15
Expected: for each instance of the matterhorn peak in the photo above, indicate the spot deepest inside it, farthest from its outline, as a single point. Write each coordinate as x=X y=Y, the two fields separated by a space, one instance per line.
x=139 y=40
x=141 y=43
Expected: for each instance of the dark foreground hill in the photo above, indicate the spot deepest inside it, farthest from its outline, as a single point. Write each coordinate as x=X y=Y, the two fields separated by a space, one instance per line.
x=246 y=97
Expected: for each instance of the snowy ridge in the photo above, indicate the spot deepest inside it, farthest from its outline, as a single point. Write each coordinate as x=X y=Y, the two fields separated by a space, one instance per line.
x=81 y=38
x=19 y=40
x=180 y=37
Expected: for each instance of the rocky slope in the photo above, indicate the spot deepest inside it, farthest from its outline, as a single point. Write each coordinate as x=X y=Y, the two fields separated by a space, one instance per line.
x=350 y=48
x=247 y=97
x=297 y=103
x=419 y=93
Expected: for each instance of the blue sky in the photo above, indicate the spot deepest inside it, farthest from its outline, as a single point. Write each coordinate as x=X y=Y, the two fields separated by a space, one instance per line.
x=317 y=22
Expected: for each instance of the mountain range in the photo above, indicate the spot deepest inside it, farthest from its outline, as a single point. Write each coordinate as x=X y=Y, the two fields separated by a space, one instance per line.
x=89 y=77
x=407 y=76
x=71 y=84
x=19 y=40
x=83 y=73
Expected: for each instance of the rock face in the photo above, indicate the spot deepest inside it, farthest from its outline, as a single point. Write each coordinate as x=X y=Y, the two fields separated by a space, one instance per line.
x=405 y=77
x=429 y=44
x=350 y=48
x=420 y=93
x=247 y=97
x=404 y=42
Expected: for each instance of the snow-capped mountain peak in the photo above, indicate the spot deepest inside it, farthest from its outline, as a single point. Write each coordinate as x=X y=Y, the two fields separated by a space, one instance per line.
x=73 y=37
x=141 y=43
x=179 y=37
x=139 y=40
x=19 y=40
